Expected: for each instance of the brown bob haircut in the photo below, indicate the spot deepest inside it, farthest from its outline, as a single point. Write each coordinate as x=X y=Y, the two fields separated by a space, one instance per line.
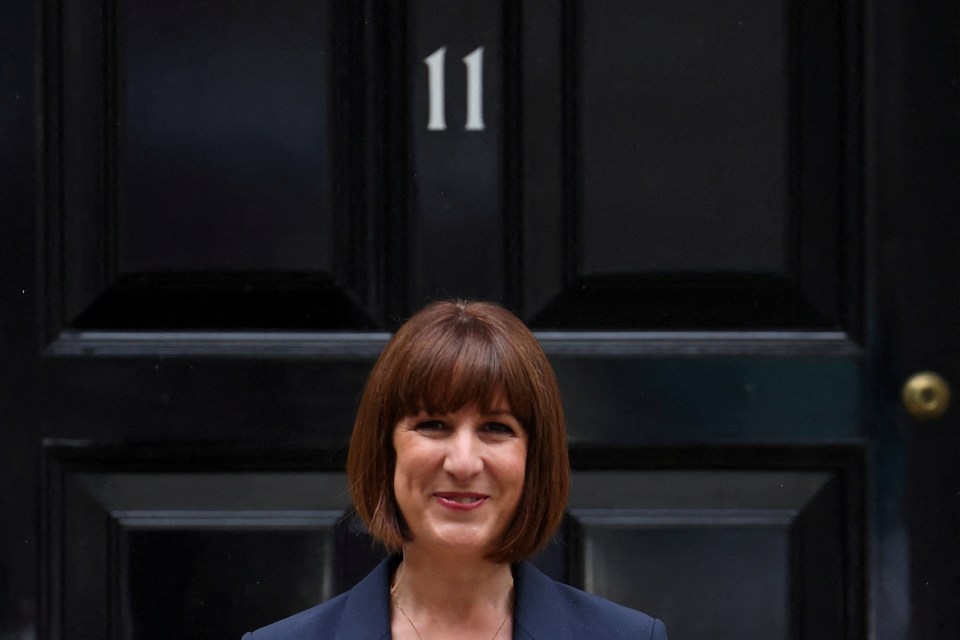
x=450 y=355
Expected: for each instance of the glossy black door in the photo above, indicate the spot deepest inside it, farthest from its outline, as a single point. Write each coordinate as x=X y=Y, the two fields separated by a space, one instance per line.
x=731 y=223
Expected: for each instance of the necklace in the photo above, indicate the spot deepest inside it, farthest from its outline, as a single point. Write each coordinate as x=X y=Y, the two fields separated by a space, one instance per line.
x=396 y=602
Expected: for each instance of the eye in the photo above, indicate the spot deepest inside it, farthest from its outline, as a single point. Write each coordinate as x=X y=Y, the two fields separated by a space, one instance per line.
x=431 y=426
x=499 y=429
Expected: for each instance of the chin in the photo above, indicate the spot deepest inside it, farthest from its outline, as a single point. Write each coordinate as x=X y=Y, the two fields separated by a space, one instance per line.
x=470 y=543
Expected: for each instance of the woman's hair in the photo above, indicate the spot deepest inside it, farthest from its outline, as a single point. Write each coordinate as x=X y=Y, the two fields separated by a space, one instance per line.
x=450 y=355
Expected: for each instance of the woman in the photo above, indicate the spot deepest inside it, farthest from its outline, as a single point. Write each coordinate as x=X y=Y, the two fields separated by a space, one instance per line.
x=458 y=465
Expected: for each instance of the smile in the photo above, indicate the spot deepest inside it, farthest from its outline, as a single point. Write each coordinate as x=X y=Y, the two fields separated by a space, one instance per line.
x=460 y=501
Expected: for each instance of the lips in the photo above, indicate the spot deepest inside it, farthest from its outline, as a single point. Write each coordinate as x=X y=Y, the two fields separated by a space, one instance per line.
x=460 y=501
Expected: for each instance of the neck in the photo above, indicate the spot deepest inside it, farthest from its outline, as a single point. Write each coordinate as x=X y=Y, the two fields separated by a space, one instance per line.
x=453 y=584
x=440 y=597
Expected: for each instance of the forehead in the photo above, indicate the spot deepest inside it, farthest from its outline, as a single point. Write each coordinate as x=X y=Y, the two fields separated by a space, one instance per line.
x=445 y=397
x=497 y=405
x=447 y=385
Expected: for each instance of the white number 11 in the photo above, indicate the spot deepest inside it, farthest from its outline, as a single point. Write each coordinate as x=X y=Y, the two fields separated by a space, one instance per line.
x=437 y=90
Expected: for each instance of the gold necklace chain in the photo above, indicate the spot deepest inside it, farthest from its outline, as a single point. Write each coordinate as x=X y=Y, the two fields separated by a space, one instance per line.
x=396 y=602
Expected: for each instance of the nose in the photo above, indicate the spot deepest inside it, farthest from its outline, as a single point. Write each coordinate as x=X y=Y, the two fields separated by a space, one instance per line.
x=463 y=460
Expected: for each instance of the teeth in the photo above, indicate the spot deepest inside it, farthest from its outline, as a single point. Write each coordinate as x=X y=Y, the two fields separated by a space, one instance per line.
x=468 y=500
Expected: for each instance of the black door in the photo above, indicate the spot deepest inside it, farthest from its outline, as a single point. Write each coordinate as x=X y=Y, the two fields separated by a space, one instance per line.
x=732 y=224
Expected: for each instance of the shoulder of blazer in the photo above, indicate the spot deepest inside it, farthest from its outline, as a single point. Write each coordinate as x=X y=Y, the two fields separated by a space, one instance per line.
x=361 y=612
x=545 y=610
x=549 y=610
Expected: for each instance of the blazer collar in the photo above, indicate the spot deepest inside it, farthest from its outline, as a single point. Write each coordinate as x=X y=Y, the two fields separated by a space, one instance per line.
x=539 y=614
x=366 y=613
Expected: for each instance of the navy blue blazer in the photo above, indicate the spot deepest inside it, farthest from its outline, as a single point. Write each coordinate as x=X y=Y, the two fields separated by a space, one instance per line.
x=545 y=610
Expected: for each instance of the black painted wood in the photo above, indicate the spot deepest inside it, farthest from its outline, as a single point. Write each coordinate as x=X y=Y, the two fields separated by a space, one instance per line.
x=224 y=147
x=709 y=170
x=917 y=102
x=218 y=181
x=456 y=224
x=682 y=125
x=148 y=541
x=803 y=348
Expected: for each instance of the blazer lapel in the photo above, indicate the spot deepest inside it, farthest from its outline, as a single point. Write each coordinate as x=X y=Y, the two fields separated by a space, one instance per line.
x=540 y=613
x=366 y=615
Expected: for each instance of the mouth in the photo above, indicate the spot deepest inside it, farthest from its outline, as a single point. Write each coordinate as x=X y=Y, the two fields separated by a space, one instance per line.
x=460 y=501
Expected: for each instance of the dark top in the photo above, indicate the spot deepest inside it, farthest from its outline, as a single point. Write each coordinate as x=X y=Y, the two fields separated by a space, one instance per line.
x=545 y=610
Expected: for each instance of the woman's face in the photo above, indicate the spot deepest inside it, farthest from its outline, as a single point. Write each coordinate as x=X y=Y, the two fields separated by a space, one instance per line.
x=459 y=476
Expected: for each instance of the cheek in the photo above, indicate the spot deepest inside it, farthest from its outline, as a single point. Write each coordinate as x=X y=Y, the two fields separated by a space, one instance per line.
x=402 y=453
x=518 y=470
x=412 y=465
x=400 y=473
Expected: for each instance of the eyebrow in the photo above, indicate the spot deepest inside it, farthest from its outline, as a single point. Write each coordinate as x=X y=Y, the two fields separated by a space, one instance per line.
x=500 y=412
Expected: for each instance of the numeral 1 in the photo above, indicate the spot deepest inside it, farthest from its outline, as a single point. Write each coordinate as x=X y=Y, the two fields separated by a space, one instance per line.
x=474 y=63
x=434 y=61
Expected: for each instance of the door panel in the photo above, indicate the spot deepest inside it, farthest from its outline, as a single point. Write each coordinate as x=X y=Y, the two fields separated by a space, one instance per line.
x=154 y=542
x=197 y=166
x=707 y=167
x=223 y=151
x=722 y=552
x=685 y=136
